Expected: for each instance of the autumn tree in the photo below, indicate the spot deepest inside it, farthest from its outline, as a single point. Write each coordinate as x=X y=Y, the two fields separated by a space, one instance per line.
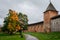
x=11 y=22
x=15 y=22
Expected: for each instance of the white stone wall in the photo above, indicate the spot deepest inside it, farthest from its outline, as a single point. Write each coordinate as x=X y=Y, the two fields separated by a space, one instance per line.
x=55 y=24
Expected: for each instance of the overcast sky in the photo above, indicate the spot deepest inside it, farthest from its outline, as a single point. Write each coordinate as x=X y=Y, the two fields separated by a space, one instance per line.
x=33 y=8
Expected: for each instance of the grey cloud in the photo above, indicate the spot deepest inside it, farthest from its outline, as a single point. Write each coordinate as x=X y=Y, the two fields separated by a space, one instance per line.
x=34 y=11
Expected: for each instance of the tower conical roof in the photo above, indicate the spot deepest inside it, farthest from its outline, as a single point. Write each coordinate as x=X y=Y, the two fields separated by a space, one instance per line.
x=50 y=7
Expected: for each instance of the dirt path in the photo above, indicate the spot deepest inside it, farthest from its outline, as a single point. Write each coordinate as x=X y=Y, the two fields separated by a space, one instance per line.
x=29 y=37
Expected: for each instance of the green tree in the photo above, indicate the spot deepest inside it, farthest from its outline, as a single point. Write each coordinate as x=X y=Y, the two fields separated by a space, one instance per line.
x=5 y=24
x=23 y=20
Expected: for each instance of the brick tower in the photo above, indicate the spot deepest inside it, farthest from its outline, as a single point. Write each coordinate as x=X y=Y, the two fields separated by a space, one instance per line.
x=48 y=14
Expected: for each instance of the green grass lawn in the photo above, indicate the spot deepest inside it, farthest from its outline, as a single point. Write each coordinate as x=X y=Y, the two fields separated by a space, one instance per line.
x=4 y=36
x=45 y=36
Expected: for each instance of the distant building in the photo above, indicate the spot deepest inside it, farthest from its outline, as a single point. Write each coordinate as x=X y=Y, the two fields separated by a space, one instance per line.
x=51 y=21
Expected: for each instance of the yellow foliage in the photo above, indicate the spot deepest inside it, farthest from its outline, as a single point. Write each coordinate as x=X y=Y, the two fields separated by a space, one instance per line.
x=18 y=27
x=14 y=17
x=10 y=26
